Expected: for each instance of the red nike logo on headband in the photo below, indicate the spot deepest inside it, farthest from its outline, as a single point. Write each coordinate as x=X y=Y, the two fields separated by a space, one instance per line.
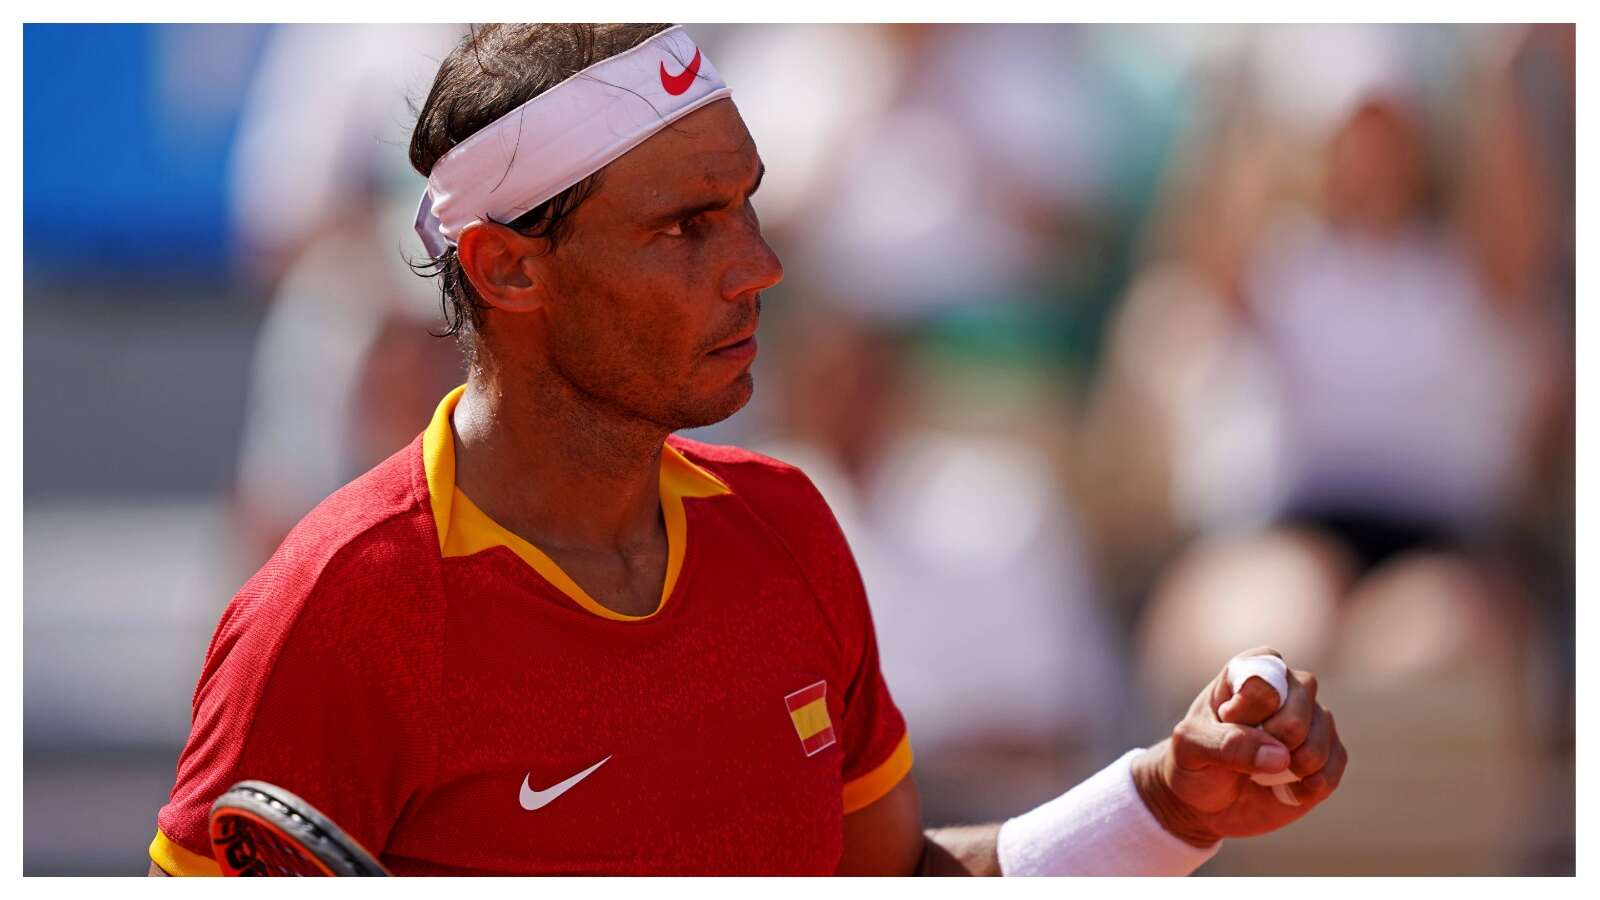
x=677 y=84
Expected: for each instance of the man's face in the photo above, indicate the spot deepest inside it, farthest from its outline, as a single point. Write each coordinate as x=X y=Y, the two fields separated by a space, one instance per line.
x=656 y=293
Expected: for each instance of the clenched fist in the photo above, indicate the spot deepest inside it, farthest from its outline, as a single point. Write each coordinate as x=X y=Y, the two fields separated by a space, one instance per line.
x=1198 y=782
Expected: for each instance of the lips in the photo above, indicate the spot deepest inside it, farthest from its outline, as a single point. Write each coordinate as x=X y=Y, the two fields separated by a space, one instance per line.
x=739 y=348
x=732 y=342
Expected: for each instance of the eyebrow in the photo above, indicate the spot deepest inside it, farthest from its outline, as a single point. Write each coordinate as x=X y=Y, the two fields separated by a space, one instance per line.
x=690 y=210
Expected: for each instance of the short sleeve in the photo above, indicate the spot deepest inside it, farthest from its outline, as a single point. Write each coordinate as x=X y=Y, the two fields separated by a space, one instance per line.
x=315 y=691
x=877 y=748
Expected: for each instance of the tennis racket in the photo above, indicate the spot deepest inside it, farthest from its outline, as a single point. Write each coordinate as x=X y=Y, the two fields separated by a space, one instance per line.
x=261 y=829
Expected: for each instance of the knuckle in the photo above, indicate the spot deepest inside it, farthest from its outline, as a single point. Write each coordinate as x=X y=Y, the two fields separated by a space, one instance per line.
x=1309 y=759
x=1182 y=742
x=1308 y=681
x=1293 y=731
x=1187 y=751
x=1237 y=747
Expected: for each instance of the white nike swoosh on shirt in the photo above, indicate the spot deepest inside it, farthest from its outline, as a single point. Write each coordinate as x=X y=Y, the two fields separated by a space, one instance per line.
x=532 y=799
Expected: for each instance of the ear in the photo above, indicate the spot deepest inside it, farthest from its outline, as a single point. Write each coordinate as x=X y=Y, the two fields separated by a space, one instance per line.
x=502 y=266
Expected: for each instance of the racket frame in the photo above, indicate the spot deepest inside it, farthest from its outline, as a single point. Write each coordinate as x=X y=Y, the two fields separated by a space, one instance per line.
x=319 y=841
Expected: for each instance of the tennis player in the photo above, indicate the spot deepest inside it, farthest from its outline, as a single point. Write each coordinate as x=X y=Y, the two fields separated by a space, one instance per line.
x=549 y=636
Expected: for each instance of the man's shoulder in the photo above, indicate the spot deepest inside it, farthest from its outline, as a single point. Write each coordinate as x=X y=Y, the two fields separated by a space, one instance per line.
x=370 y=539
x=351 y=596
x=759 y=479
x=777 y=493
x=386 y=506
x=790 y=508
x=717 y=455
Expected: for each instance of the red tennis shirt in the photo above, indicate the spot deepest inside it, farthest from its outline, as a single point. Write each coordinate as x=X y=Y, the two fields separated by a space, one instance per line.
x=446 y=694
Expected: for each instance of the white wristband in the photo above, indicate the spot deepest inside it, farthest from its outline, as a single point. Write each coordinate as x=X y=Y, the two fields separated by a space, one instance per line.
x=1100 y=827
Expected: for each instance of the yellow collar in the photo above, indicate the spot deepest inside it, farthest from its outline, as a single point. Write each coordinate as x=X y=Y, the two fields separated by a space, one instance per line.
x=464 y=529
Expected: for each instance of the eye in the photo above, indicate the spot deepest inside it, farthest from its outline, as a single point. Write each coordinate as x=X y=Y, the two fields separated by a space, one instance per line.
x=683 y=227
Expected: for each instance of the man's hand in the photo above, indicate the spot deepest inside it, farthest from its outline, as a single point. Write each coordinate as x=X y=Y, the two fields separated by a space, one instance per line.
x=1197 y=783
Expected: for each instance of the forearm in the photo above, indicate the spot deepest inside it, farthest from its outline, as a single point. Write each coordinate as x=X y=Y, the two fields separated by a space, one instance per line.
x=1118 y=822
x=1103 y=826
x=963 y=850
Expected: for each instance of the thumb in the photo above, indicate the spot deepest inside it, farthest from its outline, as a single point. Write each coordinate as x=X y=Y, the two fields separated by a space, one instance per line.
x=1222 y=745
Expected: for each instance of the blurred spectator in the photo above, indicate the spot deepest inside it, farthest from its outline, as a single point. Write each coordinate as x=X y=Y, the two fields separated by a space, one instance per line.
x=345 y=370
x=988 y=621
x=1355 y=379
x=1520 y=175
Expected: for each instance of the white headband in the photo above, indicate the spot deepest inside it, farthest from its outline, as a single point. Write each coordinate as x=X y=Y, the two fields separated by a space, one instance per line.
x=564 y=135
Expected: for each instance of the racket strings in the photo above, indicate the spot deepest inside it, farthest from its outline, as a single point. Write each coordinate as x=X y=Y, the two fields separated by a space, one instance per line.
x=253 y=850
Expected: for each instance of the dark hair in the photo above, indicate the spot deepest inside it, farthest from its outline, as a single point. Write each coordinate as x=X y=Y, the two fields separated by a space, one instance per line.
x=493 y=70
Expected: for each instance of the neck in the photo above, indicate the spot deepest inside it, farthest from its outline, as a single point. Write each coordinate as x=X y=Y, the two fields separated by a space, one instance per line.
x=556 y=466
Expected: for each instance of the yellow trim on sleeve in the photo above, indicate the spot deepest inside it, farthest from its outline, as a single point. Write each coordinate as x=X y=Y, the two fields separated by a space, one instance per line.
x=465 y=529
x=871 y=787
x=175 y=859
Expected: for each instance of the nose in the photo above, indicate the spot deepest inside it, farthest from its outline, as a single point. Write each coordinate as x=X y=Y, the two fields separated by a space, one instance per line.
x=753 y=266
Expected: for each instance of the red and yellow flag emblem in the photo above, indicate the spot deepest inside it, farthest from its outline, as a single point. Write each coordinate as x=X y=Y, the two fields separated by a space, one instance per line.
x=808 y=707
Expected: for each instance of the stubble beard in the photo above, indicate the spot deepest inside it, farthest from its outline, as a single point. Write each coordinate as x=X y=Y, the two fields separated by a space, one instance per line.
x=604 y=397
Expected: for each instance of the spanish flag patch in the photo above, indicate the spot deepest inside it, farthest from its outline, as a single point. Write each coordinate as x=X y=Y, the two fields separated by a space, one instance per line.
x=808 y=707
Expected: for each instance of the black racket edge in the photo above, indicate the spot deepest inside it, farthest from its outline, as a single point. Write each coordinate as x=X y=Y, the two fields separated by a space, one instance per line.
x=315 y=831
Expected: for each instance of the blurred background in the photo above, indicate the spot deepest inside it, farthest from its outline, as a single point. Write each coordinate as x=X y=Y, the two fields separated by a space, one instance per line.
x=1116 y=350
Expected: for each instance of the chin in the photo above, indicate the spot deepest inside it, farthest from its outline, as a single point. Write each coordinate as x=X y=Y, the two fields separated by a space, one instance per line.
x=711 y=410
